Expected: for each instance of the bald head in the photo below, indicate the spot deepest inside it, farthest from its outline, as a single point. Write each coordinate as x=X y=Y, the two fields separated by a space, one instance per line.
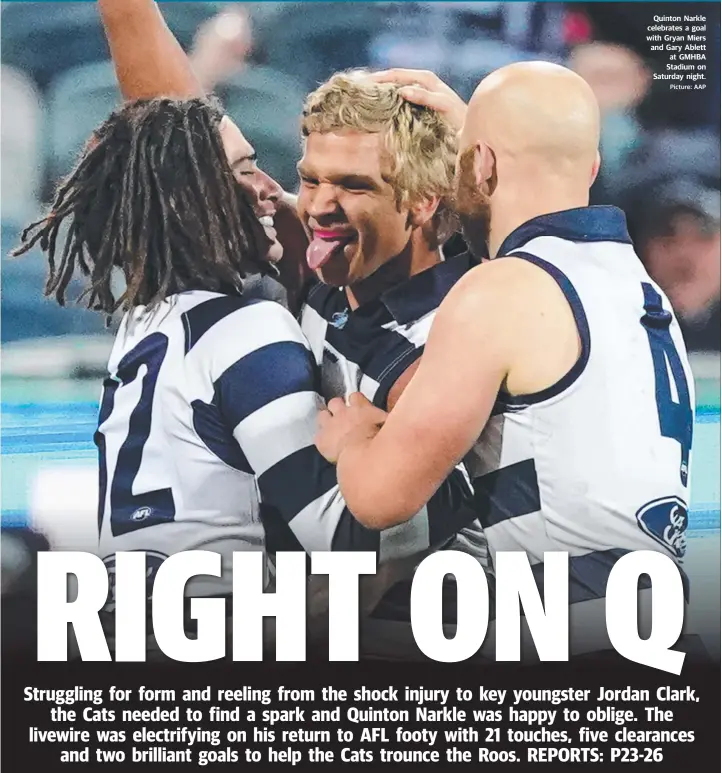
x=537 y=112
x=529 y=147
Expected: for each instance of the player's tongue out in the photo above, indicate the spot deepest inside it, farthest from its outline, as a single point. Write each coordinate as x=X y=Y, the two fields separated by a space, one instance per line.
x=323 y=245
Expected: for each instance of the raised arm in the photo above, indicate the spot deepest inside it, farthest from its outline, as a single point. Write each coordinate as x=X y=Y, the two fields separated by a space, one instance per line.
x=149 y=61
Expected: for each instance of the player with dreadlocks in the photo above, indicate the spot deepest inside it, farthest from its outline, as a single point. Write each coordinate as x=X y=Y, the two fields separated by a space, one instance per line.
x=150 y=62
x=133 y=203
x=210 y=394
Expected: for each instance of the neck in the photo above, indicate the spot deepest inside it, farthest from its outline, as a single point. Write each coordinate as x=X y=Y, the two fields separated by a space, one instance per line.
x=415 y=258
x=514 y=206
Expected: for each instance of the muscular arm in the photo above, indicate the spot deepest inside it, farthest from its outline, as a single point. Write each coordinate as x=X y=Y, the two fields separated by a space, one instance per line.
x=387 y=478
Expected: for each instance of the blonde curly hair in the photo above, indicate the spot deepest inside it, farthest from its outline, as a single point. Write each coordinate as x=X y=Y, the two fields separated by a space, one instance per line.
x=421 y=146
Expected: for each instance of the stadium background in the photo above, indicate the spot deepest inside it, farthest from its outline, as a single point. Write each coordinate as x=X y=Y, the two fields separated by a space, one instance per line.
x=661 y=154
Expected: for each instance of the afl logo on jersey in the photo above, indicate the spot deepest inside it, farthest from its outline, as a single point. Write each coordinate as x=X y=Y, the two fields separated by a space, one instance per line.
x=153 y=560
x=141 y=514
x=665 y=520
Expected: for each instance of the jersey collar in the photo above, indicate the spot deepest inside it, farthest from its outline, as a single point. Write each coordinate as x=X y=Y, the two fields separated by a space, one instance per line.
x=585 y=224
x=422 y=293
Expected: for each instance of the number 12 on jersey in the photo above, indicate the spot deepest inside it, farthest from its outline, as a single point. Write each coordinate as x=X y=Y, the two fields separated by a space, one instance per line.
x=129 y=511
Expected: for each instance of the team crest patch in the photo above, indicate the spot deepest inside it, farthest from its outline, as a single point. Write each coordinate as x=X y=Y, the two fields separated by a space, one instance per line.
x=665 y=521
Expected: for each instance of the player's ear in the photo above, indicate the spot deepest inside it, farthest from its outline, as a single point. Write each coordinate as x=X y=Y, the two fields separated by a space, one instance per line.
x=484 y=166
x=595 y=169
x=423 y=210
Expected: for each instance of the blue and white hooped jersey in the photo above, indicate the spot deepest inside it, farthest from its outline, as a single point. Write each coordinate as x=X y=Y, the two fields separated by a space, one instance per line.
x=368 y=349
x=208 y=415
x=598 y=464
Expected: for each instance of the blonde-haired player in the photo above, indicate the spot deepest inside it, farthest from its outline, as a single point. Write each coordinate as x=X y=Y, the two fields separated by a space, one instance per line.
x=355 y=128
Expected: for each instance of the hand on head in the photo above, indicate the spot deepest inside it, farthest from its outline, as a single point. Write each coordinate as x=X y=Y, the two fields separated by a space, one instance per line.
x=341 y=423
x=538 y=102
x=424 y=88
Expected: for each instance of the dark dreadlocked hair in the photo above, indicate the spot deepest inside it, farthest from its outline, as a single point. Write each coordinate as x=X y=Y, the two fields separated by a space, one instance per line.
x=154 y=195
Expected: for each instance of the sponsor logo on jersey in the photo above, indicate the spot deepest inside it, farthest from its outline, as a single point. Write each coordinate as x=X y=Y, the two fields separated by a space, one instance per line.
x=665 y=521
x=339 y=319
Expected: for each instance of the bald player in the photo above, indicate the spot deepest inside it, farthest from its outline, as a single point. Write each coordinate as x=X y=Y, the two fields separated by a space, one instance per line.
x=556 y=369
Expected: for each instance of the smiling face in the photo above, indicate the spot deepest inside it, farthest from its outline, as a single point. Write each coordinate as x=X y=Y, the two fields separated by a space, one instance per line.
x=264 y=191
x=374 y=173
x=349 y=207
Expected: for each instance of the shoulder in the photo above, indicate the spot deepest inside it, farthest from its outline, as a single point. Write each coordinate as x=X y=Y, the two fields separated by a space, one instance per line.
x=503 y=270
x=503 y=284
x=505 y=302
x=234 y=309
x=225 y=329
x=269 y=321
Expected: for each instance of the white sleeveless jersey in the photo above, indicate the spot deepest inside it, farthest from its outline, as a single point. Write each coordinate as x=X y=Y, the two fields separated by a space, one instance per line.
x=598 y=464
x=208 y=414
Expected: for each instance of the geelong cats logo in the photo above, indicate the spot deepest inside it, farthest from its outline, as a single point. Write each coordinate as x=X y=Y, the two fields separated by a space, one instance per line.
x=665 y=520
